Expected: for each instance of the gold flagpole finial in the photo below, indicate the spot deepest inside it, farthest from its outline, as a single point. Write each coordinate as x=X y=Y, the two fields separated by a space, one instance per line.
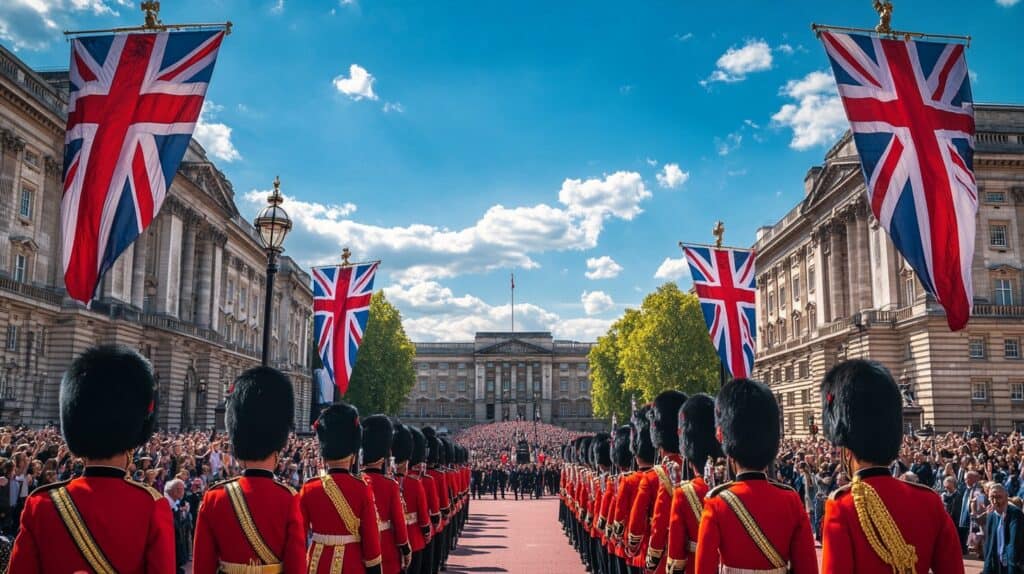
x=345 y=255
x=152 y=10
x=884 y=9
x=719 y=233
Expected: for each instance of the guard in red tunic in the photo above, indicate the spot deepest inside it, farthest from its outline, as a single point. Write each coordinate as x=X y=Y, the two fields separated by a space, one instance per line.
x=395 y=550
x=907 y=527
x=665 y=436
x=752 y=525
x=435 y=472
x=421 y=447
x=417 y=514
x=621 y=501
x=638 y=535
x=252 y=523
x=102 y=521
x=338 y=507
x=698 y=444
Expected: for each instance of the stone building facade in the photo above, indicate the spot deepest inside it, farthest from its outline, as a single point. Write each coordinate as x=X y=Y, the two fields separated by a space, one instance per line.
x=189 y=293
x=832 y=286
x=502 y=376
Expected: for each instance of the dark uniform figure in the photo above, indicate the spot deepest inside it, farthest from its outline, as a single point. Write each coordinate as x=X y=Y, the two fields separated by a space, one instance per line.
x=338 y=508
x=253 y=520
x=394 y=537
x=664 y=418
x=638 y=535
x=907 y=527
x=435 y=462
x=752 y=524
x=622 y=456
x=102 y=521
x=417 y=513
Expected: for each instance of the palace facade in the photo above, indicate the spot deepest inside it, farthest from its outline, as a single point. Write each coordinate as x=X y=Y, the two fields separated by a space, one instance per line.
x=188 y=294
x=502 y=376
x=832 y=287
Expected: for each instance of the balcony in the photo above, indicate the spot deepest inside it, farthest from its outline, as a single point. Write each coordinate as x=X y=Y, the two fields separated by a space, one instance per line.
x=998 y=311
x=43 y=294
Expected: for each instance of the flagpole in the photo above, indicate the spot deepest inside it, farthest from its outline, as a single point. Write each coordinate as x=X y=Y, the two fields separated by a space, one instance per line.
x=513 y=275
x=884 y=29
x=153 y=24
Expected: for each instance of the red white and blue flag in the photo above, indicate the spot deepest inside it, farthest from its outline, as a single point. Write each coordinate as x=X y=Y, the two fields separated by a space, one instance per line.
x=726 y=286
x=911 y=112
x=134 y=102
x=341 y=308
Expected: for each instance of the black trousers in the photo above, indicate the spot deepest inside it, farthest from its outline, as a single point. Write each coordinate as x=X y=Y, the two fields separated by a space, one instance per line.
x=416 y=564
x=427 y=557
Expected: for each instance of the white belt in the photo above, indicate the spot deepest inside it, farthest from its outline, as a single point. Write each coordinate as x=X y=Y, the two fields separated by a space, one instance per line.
x=731 y=570
x=411 y=517
x=692 y=546
x=384 y=525
x=335 y=539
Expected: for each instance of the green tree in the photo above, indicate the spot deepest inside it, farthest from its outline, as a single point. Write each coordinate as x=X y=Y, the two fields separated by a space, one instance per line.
x=669 y=348
x=609 y=397
x=383 y=375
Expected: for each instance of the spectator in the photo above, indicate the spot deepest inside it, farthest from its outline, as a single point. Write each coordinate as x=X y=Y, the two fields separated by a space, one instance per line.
x=174 y=492
x=1004 y=534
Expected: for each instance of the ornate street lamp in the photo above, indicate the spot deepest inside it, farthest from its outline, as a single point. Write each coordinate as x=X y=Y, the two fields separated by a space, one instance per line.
x=273 y=225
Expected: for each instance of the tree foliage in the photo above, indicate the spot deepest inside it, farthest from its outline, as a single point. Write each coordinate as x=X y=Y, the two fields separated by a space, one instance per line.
x=662 y=346
x=384 y=374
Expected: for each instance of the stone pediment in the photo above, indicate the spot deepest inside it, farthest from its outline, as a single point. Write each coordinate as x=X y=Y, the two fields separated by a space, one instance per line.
x=205 y=176
x=833 y=175
x=513 y=347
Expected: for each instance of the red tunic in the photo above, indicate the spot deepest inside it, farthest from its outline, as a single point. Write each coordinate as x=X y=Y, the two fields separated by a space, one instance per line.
x=684 y=526
x=779 y=512
x=918 y=512
x=433 y=502
x=321 y=518
x=416 y=509
x=668 y=473
x=638 y=529
x=394 y=540
x=628 y=484
x=219 y=536
x=130 y=522
x=443 y=500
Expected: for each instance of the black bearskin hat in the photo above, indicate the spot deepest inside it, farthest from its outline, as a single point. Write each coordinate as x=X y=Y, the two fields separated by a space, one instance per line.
x=402 y=443
x=419 y=446
x=449 y=450
x=664 y=420
x=863 y=410
x=585 y=451
x=641 y=445
x=338 y=431
x=377 y=437
x=433 y=445
x=601 y=447
x=697 y=430
x=621 y=454
x=748 y=416
x=260 y=413
x=107 y=402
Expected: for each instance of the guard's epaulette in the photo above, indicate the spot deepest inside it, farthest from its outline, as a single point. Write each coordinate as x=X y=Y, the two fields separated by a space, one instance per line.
x=286 y=486
x=312 y=478
x=922 y=486
x=839 y=491
x=48 y=487
x=724 y=486
x=781 y=485
x=223 y=483
x=149 y=489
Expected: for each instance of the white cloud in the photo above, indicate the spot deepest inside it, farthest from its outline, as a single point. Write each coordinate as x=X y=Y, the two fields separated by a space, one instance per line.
x=673 y=269
x=501 y=238
x=596 y=302
x=603 y=267
x=278 y=7
x=626 y=89
x=1007 y=3
x=652 y=162
x=394 y=107
x=213 y=136
x=671 y=176
x=817 y=118
x=736 y=63
x=684 y=37
x=728 y=145
x=751 y=124
x=33 y=24
x=785 y=49
x=358 y=85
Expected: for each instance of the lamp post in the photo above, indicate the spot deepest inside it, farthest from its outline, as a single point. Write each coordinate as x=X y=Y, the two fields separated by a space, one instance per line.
x=273 y=224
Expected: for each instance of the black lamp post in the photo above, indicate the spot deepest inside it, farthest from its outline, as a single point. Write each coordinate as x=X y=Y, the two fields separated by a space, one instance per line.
x=272 y=224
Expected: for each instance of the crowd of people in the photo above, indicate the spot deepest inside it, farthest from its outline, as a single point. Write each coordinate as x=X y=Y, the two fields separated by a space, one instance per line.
x=495 y=441
x=705 y=485
x=104 y=493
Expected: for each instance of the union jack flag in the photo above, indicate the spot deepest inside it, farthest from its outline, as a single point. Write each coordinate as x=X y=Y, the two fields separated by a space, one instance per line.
x=726 y=286
x=341 y=307
x=134 y=102
x=912 y=116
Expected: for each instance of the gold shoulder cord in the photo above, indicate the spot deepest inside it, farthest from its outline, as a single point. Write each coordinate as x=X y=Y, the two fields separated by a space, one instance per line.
x=252 y=534
x=696 y=506
x=881 y=530
x=81 y=536
x=753 y=530
x=340 y=504
x=664 y=478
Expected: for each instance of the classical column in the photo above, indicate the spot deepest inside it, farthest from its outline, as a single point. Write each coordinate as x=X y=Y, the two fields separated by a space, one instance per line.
x=220 y=240
x=852 y=269
x=864 y=272
x=169 y=262
x=205 y=283
x=139 y=270
x=835 y=272
x=188 y=262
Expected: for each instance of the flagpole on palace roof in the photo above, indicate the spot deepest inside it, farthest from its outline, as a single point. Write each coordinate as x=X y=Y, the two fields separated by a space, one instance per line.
x=153 y=24
x=513 y=276
x=884 y=28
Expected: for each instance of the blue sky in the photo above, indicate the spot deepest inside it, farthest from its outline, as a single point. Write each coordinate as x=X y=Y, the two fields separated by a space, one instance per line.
x=575 y=142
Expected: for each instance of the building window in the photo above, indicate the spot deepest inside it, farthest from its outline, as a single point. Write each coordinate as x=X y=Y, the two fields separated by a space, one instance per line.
x=908 y=290
x=563 y=409
x=12 y=337
x=790 y=398
x=979 y=391
x=27 y=199
x=1004 y=292
x=20 y=265
x=442 y=386
x=771 y=302
x=442 y=409
x=563 y=385
x=490 y=385
x=802 y=368
x=442 y=366
x=805 y=396
x=563 y=366
x=997 y=235
x=584 y=385
x=782 y=297
x=1017 y=391
x=995 y=197
x=789 y=373
x=796 y=326
x=243 y=299
x=796 y=288
x=810 y=279
x=461 y=385
x=32 y=159
x=462 y=366
x=977 y=348
x=1011 y=348
x=423 y=385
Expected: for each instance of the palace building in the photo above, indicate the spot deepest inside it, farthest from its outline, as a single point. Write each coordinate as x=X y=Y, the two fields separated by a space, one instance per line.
x=188 y=294
x=831 y=286
x=500 y=377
